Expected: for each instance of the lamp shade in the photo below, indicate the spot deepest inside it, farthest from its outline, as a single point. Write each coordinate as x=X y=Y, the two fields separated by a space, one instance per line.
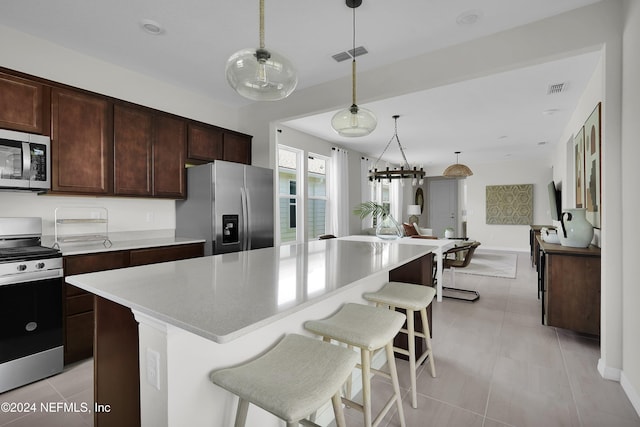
x=261 y=74
x=354 y=121
x=413 y=210
x=457 y=170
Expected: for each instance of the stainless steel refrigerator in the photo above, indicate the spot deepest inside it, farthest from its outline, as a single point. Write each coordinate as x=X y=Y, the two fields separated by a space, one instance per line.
x=228 y=204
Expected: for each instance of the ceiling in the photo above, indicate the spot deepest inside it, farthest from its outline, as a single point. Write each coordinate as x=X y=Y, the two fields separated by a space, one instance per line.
x=476 y=117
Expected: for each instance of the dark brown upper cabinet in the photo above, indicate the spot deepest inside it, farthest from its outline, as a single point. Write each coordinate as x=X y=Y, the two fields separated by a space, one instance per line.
x=24 y=105
x=204 y=143
x=236 y=148
x=82 y=142
x=208 y=143
x=169 y=148
x=149 y=152
x=133 y=156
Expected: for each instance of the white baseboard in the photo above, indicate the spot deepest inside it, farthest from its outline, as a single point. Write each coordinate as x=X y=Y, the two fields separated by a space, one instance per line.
x=607 y=372
x=632 y=393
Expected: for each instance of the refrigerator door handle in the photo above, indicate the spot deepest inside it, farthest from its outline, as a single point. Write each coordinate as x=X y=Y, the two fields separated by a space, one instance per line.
x=246 y=241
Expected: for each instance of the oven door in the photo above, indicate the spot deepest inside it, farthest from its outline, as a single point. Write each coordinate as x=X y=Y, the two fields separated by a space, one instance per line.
x=31 y=334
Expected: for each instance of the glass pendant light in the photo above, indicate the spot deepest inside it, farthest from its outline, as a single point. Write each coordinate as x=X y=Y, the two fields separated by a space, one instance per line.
x=261 y=74
x=354 y=121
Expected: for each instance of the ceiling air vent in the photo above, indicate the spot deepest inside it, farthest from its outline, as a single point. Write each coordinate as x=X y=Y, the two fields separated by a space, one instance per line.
x=556 y=88
x=343 y=56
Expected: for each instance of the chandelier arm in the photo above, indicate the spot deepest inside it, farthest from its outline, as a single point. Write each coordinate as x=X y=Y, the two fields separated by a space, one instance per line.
x=383 y=151
x=406 y=163
x=261 y=24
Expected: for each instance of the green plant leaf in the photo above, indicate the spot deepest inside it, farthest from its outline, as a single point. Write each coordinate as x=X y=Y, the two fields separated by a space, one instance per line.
x=374 y=209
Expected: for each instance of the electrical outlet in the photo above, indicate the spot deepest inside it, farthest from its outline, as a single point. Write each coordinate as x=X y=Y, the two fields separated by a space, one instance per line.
x=153 y=368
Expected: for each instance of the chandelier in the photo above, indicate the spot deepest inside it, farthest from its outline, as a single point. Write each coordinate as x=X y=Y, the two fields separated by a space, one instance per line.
x=405 y=171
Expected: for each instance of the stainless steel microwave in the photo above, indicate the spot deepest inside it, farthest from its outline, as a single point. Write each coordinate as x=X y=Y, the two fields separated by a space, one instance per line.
x=25 y=161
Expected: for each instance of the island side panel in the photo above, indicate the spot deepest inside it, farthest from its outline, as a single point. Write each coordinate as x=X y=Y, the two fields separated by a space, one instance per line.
x=419 y=272
x=116 y=360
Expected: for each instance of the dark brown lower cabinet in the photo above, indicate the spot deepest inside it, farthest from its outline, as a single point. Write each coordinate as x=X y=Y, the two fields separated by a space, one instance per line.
x=116 y=357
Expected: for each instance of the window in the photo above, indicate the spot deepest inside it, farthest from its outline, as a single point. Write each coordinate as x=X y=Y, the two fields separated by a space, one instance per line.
x=316 y=196
x=381 y=193
x=288 y=197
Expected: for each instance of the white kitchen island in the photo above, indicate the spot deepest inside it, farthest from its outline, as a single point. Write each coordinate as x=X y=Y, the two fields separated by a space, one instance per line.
x=201 y=314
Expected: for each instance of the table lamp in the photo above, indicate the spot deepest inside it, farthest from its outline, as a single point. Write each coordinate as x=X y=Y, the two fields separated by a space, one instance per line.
x=413 y=211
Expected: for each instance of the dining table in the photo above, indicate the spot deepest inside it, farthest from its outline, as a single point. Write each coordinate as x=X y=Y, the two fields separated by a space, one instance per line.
x=439 y=247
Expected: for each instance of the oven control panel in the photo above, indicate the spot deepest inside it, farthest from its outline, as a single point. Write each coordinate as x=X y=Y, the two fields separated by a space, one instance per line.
x=17 y=271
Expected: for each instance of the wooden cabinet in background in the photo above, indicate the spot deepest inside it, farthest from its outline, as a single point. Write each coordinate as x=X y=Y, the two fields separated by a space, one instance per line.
x=78 y=304
x=207 y=143
x=81 y=142
x=570 y=287
x=149 y=153
x=132 y=142
x=236 y=148
x=24 y=105
x=204 y=143
x=169 y=149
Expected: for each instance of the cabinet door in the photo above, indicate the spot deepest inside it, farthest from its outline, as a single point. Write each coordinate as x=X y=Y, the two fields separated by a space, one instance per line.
x=204 y=143
x=132 y=130
x=166 y=253
x=237 y=148
x=21 y=104
x=169 y=148
x=81 y=143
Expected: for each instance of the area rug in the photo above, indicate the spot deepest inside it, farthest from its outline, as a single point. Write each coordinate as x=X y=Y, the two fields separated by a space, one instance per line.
x=492 y=264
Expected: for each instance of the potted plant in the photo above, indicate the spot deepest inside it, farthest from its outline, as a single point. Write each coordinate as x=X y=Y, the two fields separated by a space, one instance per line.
x=387 y=227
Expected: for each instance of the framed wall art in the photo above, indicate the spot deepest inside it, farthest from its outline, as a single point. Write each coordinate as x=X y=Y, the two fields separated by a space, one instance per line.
x=592 y=168
x=510 y=204
x=578 y=155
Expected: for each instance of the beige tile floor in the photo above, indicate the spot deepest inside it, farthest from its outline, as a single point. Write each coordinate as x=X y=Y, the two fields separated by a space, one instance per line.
x=496 y=366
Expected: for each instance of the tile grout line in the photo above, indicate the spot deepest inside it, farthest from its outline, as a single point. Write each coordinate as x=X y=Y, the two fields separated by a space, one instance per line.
x=566 y=371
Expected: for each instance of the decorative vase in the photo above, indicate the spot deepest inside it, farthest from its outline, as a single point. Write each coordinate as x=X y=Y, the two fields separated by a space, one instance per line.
x=575 y=230
x=388 y=228
x=448 y=233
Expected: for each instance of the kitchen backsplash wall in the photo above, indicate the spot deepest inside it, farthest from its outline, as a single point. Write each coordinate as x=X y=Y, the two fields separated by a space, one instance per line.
x=124 y=214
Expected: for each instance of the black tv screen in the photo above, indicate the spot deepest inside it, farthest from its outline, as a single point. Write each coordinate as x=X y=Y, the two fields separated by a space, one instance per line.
x=554 y=202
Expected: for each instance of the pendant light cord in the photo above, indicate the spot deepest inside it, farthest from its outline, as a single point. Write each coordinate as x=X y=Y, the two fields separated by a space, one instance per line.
x=261 y=24
x=353 y=63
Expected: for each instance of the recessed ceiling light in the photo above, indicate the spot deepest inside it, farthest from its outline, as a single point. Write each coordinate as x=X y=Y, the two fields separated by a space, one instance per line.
x=151 y=27
x=469 y=17
x=542 y=143
x=550 y=112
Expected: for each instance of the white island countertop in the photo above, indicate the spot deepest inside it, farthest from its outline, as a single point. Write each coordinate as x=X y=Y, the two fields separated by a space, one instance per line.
x=223 y=297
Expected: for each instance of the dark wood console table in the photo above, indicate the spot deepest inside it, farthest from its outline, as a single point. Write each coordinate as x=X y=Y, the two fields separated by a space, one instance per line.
x=570 y=285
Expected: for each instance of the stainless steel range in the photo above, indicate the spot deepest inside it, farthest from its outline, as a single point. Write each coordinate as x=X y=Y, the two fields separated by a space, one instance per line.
x=30 y=304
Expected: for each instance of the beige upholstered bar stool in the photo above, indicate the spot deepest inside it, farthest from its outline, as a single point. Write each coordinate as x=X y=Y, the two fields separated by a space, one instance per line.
x=410 y=298
x=291 y=381
x=368 y=328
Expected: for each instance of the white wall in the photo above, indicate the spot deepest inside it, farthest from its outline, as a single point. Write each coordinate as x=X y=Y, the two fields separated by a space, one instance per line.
x=513 y=237
x=630 y=378
x=125 y=214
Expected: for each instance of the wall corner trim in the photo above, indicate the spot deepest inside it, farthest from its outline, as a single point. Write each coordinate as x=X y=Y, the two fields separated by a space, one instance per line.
x=607 y=372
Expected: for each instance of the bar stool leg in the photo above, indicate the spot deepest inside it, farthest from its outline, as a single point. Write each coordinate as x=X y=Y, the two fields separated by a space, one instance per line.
x=366 y=385
x=394 y=379
x=411 y=337
x=336 y=401
x=241 y=414
x=427 y=338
